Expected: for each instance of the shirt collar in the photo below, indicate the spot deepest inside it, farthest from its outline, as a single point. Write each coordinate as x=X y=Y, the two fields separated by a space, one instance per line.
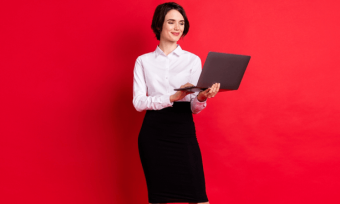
x=178 y=51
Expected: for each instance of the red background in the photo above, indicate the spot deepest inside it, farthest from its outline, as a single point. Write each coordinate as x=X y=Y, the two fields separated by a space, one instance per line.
x=69 y=129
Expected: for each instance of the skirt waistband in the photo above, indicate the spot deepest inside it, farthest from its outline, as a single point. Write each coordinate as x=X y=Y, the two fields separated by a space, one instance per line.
x=177 y=107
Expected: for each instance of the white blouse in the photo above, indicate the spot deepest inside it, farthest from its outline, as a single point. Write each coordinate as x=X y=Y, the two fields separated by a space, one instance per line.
x=157 y=75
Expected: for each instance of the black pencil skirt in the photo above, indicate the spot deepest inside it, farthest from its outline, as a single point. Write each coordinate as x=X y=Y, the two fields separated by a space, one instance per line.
x=171 y=157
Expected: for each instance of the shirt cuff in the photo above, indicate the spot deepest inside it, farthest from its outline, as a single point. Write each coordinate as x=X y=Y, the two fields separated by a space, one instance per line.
x=197 y=106
x=166 y=101
x=199 y=102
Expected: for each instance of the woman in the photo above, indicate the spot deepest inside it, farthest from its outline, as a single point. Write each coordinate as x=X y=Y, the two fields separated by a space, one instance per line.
x=167 y=142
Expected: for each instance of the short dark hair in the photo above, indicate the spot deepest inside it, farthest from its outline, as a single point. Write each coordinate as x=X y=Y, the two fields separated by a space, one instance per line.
x=159 y=16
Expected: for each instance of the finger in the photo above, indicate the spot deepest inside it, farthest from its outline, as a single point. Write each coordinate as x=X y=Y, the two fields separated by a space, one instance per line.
x=217 y=89
x=214 y=88
x=214 y=92
x=188 y=85
x=205 y=92
x=217 y=85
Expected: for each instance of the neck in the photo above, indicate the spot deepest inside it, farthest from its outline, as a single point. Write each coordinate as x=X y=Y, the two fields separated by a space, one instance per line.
x=167 y=46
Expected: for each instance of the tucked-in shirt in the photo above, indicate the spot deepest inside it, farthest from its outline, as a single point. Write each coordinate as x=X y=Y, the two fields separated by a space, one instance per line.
x=156 y=75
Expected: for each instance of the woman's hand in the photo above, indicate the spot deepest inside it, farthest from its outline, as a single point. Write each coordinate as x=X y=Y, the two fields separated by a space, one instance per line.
x=208 y=93
x=181 y=94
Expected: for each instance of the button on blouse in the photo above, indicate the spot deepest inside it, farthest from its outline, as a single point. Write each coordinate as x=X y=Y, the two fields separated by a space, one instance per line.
x=156 y=75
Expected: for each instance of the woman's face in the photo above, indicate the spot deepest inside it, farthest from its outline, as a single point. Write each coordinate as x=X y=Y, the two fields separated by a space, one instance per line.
x=173 y=26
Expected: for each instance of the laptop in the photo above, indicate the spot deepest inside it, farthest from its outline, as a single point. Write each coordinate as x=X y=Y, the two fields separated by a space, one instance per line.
x=223 y=68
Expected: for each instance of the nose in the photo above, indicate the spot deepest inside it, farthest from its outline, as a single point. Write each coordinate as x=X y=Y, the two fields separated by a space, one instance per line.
x=176 y=26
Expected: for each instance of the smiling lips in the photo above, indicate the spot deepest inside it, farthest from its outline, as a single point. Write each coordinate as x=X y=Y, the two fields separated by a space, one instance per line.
x=176 y=34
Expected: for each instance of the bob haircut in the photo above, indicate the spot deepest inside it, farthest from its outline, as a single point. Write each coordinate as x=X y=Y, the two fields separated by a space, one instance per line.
x=159 y=16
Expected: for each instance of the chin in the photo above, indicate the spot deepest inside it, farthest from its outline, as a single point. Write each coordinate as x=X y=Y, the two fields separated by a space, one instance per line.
x=173 y=39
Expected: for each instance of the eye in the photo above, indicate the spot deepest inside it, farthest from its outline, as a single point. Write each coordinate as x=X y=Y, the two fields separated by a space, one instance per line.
x=172 y=23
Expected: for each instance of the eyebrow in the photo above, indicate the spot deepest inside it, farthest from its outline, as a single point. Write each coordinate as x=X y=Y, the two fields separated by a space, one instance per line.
x=174 y=20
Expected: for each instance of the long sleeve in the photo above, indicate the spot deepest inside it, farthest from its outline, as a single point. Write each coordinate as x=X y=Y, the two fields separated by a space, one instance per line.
x=196 y=105
x=140 y=99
